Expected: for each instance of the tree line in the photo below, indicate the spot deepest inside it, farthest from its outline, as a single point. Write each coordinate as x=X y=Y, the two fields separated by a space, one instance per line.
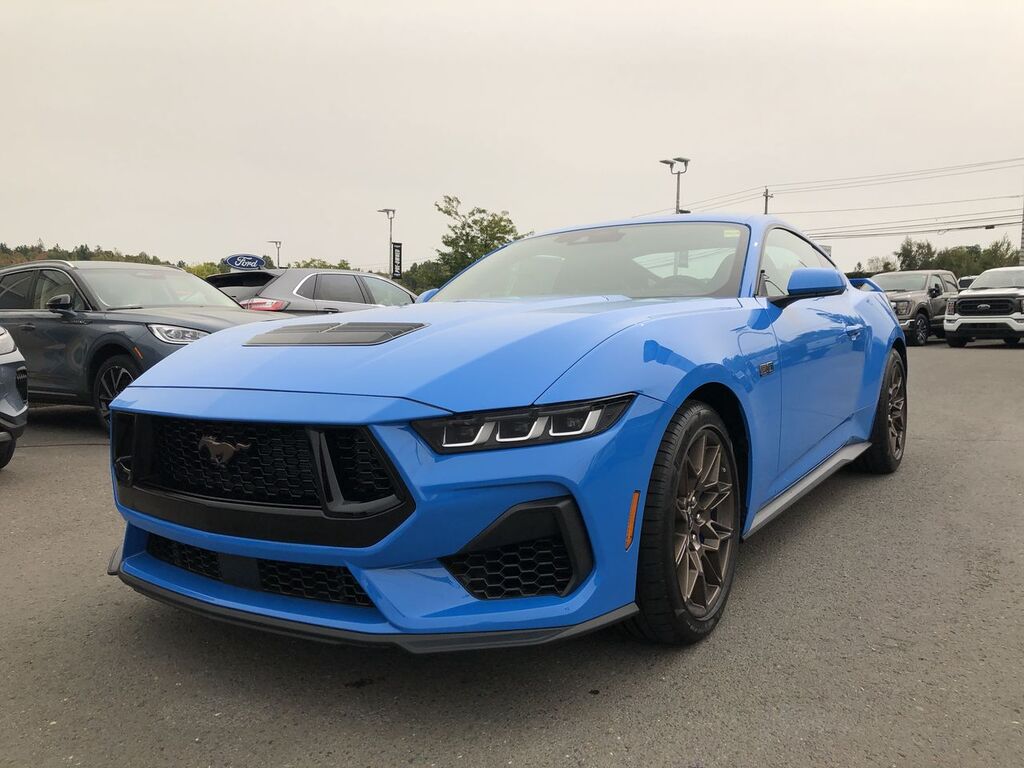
x=961 y=260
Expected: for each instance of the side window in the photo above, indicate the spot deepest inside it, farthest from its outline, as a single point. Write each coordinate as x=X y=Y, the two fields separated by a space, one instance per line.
x=53 y=282
x=305 y=288
x=330 y=287
x=383 y=292
x=935 y=282
x=950 y=284
x=14 y=290
x=783 y=253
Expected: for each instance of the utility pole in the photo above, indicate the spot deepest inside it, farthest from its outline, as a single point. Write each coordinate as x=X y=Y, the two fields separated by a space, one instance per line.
x=767 y=197
x=685 y=163
x=277 y=260
x=390 y=213
x=1020 y=253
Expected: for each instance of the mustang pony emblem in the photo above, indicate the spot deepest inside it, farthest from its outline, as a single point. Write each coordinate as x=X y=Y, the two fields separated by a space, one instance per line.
x=219 y=453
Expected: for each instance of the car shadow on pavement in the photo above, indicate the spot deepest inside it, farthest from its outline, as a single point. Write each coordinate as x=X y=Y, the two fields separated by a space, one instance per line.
x=62 y=425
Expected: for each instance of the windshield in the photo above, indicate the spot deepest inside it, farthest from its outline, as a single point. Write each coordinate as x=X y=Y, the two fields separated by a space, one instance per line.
x=636 y=260
x=1003 y=278
x=900 y=281
x=154 y=288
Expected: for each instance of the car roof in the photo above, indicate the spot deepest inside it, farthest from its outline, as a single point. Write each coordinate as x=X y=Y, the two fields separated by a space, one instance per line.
x=751 y=220
x=1005 y=269
x=85 y=265
x=914 y=271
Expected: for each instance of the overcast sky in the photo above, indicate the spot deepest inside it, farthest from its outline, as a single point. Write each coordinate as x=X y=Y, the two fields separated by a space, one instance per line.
x=193 y=130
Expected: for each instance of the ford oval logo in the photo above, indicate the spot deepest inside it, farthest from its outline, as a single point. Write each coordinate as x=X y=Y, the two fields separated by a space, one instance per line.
x=245 y=261
x=984 y=306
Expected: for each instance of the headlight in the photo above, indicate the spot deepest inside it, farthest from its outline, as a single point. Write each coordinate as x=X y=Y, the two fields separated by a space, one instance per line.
x=175 y=334
x=6 y=342
x=511 y=428
x=950 y=306
x=900 y=307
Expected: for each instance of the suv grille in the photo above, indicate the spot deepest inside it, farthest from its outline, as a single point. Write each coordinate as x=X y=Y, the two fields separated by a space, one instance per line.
x=985 y=306
x=273 y=464
x=21 y=383
x=528 y=569
x=324 y=583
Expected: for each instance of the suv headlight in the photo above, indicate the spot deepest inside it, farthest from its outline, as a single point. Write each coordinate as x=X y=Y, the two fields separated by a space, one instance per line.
x=950 y=306
x=900 y=307
x=6 y=342
x=175 y=334
x=537 y=425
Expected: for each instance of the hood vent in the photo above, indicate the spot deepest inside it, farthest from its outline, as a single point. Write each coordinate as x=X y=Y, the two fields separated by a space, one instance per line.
x=332 y=335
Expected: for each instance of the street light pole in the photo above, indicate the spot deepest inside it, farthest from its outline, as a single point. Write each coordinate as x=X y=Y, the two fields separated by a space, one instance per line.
x=277 y=259
x=685 y=163
x=390 y=213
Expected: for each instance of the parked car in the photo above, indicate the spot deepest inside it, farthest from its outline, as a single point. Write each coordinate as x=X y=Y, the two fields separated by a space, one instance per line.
x=243 y=285
x=300 y=291
x=992 y=308
x=88 y=328
x=965 y=282
x=13 y=396
x=575 y=431
x=919 y=297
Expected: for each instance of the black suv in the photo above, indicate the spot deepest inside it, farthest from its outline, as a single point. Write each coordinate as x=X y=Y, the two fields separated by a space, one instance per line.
x=88 y=328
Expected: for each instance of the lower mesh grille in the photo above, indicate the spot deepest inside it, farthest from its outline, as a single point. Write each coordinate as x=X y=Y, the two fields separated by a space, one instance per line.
x=527 y=569
x=21 y=383
x=192 y=559
x=325 y=583
x=329 y=584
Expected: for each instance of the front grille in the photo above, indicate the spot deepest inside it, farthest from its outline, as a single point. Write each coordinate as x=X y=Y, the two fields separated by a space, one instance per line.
x=327 y=583
x=21 y=383
x=264 y=463
x=358 y=465
x=527 y=569
x=196 y=560
x=983 y=307
x=985 y=327
x=324 y=583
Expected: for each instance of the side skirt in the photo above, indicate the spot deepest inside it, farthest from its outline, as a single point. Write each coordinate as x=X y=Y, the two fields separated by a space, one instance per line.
x=808 y=482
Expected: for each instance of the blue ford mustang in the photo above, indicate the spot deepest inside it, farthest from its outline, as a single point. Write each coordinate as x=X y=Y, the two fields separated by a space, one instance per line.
x=578 y=430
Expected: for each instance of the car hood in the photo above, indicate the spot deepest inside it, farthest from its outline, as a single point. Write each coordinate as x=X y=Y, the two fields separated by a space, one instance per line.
x=463 y=356
x=904 y=295
x=978 y=293
x=208 y=319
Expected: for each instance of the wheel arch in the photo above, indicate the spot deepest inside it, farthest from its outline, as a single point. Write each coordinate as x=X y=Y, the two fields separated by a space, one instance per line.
x=100 y=355
x=729 y=407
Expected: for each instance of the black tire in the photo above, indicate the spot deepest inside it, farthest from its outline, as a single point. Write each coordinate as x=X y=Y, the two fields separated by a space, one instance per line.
x=956 y=341
x=111 y=378
x=1012 y=341
x=7 y=452
x=886 y=454
x=917 y=334
x=666 y=616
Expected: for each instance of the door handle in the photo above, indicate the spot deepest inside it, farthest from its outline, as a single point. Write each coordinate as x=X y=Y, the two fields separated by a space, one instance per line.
x=27 y=326
x=853 y=331
x=331 y=310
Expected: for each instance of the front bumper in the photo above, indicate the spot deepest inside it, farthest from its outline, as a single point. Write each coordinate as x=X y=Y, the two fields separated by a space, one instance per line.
x=13 y=406
x=985 y=326
x=417 y=603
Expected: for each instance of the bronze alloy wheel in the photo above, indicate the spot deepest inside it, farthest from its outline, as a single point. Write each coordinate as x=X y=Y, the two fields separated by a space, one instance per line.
x=704 y=541
x=897 y=412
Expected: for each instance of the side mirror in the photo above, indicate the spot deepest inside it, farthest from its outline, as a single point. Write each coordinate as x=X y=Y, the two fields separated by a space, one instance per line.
x=427 y=295
x=935 y=292
x=810 y=283
x=61 y=304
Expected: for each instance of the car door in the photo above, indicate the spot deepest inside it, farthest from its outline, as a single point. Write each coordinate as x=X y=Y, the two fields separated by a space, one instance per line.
x=60 y=346
x=936 y=298
x=822 y=352
x=385 y=293
x=338 y=292
x=17 y=316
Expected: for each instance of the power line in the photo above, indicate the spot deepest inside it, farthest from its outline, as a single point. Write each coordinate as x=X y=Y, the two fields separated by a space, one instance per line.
x=861 y=185
x=897 y=232
x=920 y=219
x=902 y=205
x=900 y=173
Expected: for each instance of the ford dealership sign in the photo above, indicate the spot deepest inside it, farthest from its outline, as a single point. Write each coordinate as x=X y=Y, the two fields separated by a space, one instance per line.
x=245 y=261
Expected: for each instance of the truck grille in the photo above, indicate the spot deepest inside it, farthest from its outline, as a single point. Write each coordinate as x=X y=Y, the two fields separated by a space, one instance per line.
x=324 y=583
x=975 y=307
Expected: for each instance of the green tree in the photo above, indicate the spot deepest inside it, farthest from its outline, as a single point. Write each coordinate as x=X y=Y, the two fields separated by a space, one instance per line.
x=321 y=264
x=915 y=254
x=472 y=234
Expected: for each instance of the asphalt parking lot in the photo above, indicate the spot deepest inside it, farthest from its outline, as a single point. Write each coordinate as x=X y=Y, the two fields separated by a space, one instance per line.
x=879 y=622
